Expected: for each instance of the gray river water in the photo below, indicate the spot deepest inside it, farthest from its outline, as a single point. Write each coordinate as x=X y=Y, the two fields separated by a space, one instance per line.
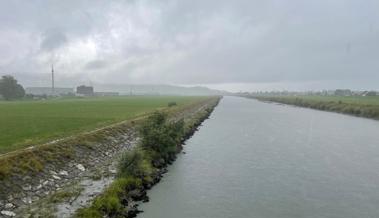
x=254 y=159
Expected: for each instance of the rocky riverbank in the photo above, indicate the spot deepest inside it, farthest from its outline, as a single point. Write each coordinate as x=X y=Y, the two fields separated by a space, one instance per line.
x=144 y=167
x=26 y=187
x=53 y=179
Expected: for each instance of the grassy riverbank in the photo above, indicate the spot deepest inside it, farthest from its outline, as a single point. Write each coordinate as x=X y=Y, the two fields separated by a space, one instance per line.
x=29 y=176
x=25 y=123
x=143 y=167
x=357 y=106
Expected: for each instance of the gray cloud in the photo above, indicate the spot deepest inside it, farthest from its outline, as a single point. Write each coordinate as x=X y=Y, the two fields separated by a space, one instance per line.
x=96 y=65
x=53 y=40
x=329 y=43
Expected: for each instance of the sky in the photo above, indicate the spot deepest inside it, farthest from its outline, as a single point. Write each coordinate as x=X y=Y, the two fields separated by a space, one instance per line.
x=239 y=45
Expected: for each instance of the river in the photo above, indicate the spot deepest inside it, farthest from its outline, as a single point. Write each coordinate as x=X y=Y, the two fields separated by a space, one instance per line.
x=264 y=160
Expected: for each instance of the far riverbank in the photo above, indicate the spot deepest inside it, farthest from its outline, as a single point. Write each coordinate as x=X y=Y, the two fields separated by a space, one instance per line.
x=357 y=106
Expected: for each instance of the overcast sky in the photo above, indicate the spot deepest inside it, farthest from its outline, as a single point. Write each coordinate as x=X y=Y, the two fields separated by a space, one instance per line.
x=234 y=45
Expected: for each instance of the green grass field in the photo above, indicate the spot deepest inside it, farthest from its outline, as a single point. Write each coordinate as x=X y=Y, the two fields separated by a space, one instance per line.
x=360 y=100
x=25 y=123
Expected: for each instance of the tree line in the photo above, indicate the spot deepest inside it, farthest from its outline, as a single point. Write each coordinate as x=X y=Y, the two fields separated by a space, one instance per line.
x=10 y=89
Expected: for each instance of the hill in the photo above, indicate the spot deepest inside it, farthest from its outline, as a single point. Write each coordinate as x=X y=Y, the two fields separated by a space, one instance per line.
x=157 y=89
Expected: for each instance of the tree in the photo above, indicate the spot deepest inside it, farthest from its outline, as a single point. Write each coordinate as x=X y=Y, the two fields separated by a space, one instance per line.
x=10 y=89
x=371 y=93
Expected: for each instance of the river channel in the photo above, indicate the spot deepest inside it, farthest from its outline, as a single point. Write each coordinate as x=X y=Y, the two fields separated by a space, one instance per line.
x=265 y=160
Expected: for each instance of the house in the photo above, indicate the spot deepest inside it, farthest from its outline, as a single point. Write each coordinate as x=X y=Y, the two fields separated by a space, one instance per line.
x=84 y=90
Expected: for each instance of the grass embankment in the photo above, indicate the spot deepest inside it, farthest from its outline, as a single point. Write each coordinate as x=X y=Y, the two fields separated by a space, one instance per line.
x=25 y=123
x=353 y=105
x=143 y=167
x=33 y=161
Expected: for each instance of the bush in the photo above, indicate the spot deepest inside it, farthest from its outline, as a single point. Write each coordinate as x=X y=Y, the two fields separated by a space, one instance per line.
x=171 y=104
x=160 y=135
x=88 y=213
x=135 y=163
x=109 y=203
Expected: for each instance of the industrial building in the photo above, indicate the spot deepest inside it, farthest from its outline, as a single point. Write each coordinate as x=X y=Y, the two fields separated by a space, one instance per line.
x=84 y=90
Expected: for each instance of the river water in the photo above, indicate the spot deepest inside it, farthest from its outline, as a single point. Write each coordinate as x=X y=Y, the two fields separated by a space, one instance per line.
x=264 y=160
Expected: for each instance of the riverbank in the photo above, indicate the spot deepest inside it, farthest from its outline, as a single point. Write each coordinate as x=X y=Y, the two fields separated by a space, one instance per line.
x=357 y=107
x=54 y=172
x=144 y=166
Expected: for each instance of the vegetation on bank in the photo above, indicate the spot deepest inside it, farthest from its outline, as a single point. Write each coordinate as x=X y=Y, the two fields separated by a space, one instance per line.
x=358 y=106
x=25 y=123
x=142 y=167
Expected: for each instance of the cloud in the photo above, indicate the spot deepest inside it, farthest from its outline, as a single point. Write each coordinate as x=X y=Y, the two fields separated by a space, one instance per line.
x=53 y=40
x=96 y=65
x=192 y=42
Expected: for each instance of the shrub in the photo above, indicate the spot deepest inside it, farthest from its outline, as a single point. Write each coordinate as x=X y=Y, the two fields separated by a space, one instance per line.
x=171 y=104
x=88 y=213
x=109 y=203
x=160 y=135
x=134 y=163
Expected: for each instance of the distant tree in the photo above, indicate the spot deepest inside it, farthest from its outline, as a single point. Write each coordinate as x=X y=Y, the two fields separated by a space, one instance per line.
x=371 y=93
x=342 y=92
x=10 y=89
x=171 y=104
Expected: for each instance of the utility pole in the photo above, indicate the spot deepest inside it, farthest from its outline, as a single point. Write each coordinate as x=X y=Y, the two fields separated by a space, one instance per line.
x=52 y=80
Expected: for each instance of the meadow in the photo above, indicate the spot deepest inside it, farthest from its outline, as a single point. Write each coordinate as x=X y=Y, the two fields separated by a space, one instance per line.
x=363 y=106
x=26 y=123
x=359 y=100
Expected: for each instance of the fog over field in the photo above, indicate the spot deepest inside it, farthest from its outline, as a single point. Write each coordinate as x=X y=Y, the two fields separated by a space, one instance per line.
x=231 y=45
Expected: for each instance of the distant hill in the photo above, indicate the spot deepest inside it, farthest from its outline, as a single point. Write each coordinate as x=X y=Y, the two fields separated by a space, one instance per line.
x=156 y=89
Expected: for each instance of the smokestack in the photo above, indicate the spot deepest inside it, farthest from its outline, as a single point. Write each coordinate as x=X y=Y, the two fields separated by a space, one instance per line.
x=52 y=80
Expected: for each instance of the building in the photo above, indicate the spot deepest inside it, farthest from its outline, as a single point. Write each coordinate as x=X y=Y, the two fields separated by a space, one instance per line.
x=343 y=92
x=369 y=93
x=85 y=90
x=106 y=93
x=48 y=91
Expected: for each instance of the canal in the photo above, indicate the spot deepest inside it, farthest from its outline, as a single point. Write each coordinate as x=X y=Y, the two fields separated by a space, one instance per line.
x=255 y=159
